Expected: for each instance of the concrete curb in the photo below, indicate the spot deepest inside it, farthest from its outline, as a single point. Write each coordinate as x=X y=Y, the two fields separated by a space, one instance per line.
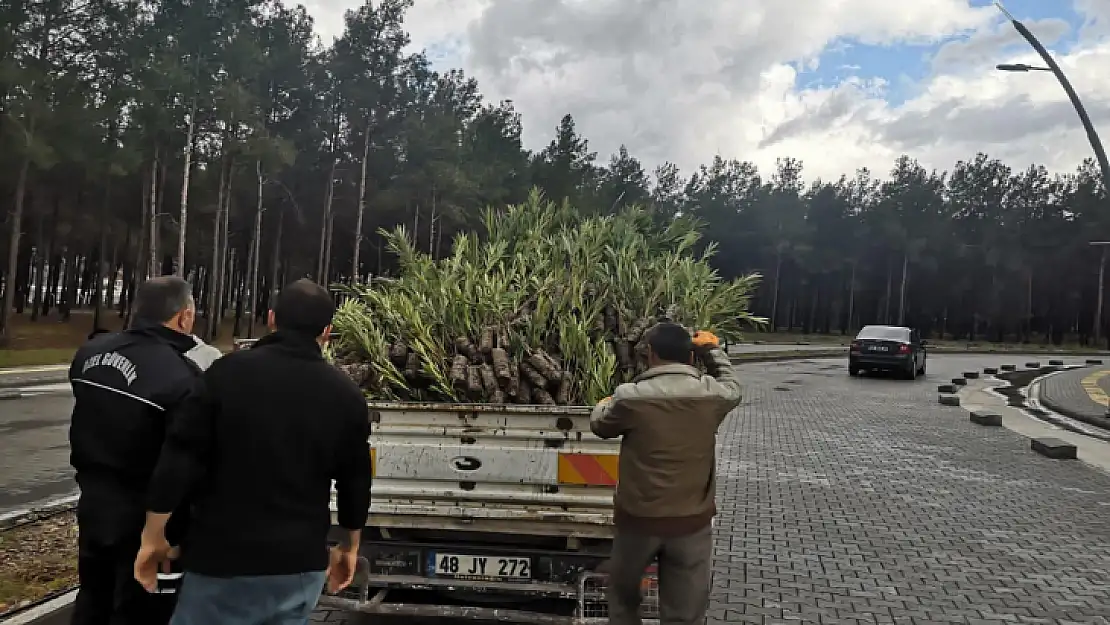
x=41 y=612
x=29 y=515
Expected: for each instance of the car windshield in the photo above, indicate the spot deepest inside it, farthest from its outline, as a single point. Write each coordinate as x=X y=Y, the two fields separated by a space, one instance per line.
x=884 y=333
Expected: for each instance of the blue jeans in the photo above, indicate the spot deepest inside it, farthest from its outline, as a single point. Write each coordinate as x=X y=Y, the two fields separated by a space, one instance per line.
x=260 y=600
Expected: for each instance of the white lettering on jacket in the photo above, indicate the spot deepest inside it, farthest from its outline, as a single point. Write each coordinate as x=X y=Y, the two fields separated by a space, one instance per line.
x=114 y=360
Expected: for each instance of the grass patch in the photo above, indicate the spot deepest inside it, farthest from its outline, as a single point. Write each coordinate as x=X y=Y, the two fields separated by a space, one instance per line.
x=34 y=357
x=50 y=340
x=36 y=560
x=786 y=354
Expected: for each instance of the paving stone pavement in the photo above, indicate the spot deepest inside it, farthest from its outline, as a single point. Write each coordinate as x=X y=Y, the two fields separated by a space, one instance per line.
x=846 y=500
x=1065 y=392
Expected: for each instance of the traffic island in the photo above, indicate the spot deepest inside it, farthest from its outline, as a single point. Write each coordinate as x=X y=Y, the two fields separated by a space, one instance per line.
x=959 y=381
x=946 y=388
x=949 y=400
x=1053 y=448
x=989 y=419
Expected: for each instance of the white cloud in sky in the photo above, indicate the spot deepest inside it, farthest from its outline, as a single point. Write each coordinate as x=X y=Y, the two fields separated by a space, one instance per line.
x=683 y=81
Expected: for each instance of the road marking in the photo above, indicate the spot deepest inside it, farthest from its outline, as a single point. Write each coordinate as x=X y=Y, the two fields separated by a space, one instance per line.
x=25 y=370
x=1094 y=391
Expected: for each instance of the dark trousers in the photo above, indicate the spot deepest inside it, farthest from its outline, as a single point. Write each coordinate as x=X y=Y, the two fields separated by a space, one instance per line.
x=684 y=576
x=109 y=594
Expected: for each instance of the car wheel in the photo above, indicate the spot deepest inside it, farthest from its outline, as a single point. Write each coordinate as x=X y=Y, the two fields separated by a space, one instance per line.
x=911 y=373
x=853 y=371
x=921 y=371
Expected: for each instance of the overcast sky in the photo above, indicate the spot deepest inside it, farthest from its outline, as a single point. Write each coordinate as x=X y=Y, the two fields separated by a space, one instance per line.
x=839 y=84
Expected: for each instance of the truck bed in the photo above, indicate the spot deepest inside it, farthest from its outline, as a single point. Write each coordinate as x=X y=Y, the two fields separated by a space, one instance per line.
x=525 y=470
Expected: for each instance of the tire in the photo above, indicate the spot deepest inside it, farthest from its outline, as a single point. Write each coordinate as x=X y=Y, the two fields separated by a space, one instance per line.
x=911 y=374
x=921 y=371
x=853 y=371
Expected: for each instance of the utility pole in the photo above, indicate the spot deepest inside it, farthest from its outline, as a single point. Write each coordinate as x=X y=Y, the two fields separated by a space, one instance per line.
x=1101 y=282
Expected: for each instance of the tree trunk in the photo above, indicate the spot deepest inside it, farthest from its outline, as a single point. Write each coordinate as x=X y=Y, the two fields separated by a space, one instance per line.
x=40 y=265
x=256 y=253
x=889 y=286
x=14 y=240
x=325 y=221
x=125 y=278
x=212 y=297
x=101 y=256
x=184 y=216
x=54 y=258
x=326 y=276
x=775 y=292
x=230 y=286
x=275 y=263
x=432 y=227
x=902 y=290
x=361 y=204
x=152 y=242
x=223 y=293
x=851 y=299
x=69 y=296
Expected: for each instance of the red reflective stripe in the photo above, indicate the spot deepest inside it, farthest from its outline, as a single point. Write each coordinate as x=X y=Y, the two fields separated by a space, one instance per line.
x=590 y=469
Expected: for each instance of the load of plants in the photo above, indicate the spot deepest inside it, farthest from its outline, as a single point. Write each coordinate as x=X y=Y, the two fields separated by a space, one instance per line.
x=545 y=305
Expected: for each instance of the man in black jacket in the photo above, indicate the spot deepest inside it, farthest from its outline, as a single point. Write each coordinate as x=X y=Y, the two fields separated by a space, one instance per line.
x=125 y=386
x=272 y=427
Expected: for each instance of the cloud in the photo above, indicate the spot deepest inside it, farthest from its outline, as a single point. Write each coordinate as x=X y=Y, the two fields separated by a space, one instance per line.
x=983 y=48
x=722 y=77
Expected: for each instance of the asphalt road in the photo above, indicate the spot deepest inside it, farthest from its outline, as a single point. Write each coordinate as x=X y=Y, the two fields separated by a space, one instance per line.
x=34 y=465
x=861 y=500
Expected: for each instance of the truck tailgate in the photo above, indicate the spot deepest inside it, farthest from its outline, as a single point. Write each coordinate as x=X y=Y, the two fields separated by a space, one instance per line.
x=535 y=470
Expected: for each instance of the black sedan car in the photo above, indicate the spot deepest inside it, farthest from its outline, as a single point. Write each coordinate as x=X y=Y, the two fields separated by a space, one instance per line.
x=887 y=348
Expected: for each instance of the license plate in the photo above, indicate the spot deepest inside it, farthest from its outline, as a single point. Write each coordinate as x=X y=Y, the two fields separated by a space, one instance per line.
x=880 y=348
x=481 y=567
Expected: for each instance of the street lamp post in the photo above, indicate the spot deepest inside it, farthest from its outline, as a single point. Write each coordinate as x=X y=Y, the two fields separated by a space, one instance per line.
x=1092 y=135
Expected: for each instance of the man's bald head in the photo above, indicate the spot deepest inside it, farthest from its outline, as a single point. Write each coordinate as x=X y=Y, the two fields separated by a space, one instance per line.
x=303 y=307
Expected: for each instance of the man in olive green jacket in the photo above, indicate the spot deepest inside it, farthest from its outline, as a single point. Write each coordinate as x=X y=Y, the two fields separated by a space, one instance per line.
x=665 y=501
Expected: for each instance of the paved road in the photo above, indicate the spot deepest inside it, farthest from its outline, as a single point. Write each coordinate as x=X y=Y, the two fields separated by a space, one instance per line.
x=35 y=462
x=25 y=376
x=860 y=500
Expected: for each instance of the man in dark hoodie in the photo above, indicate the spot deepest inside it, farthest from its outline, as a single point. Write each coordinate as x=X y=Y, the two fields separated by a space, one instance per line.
x=261 y=444
x=126 y=386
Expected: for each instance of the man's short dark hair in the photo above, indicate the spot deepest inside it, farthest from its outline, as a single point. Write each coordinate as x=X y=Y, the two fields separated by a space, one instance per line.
x=158 y=299
x=304 y=307
x=670 y=342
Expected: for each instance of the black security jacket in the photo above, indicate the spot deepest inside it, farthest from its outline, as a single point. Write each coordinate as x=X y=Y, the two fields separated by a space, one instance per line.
x=126 y=386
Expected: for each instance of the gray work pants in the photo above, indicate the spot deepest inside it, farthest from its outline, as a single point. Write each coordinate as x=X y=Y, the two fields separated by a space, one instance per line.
x=684 y=576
